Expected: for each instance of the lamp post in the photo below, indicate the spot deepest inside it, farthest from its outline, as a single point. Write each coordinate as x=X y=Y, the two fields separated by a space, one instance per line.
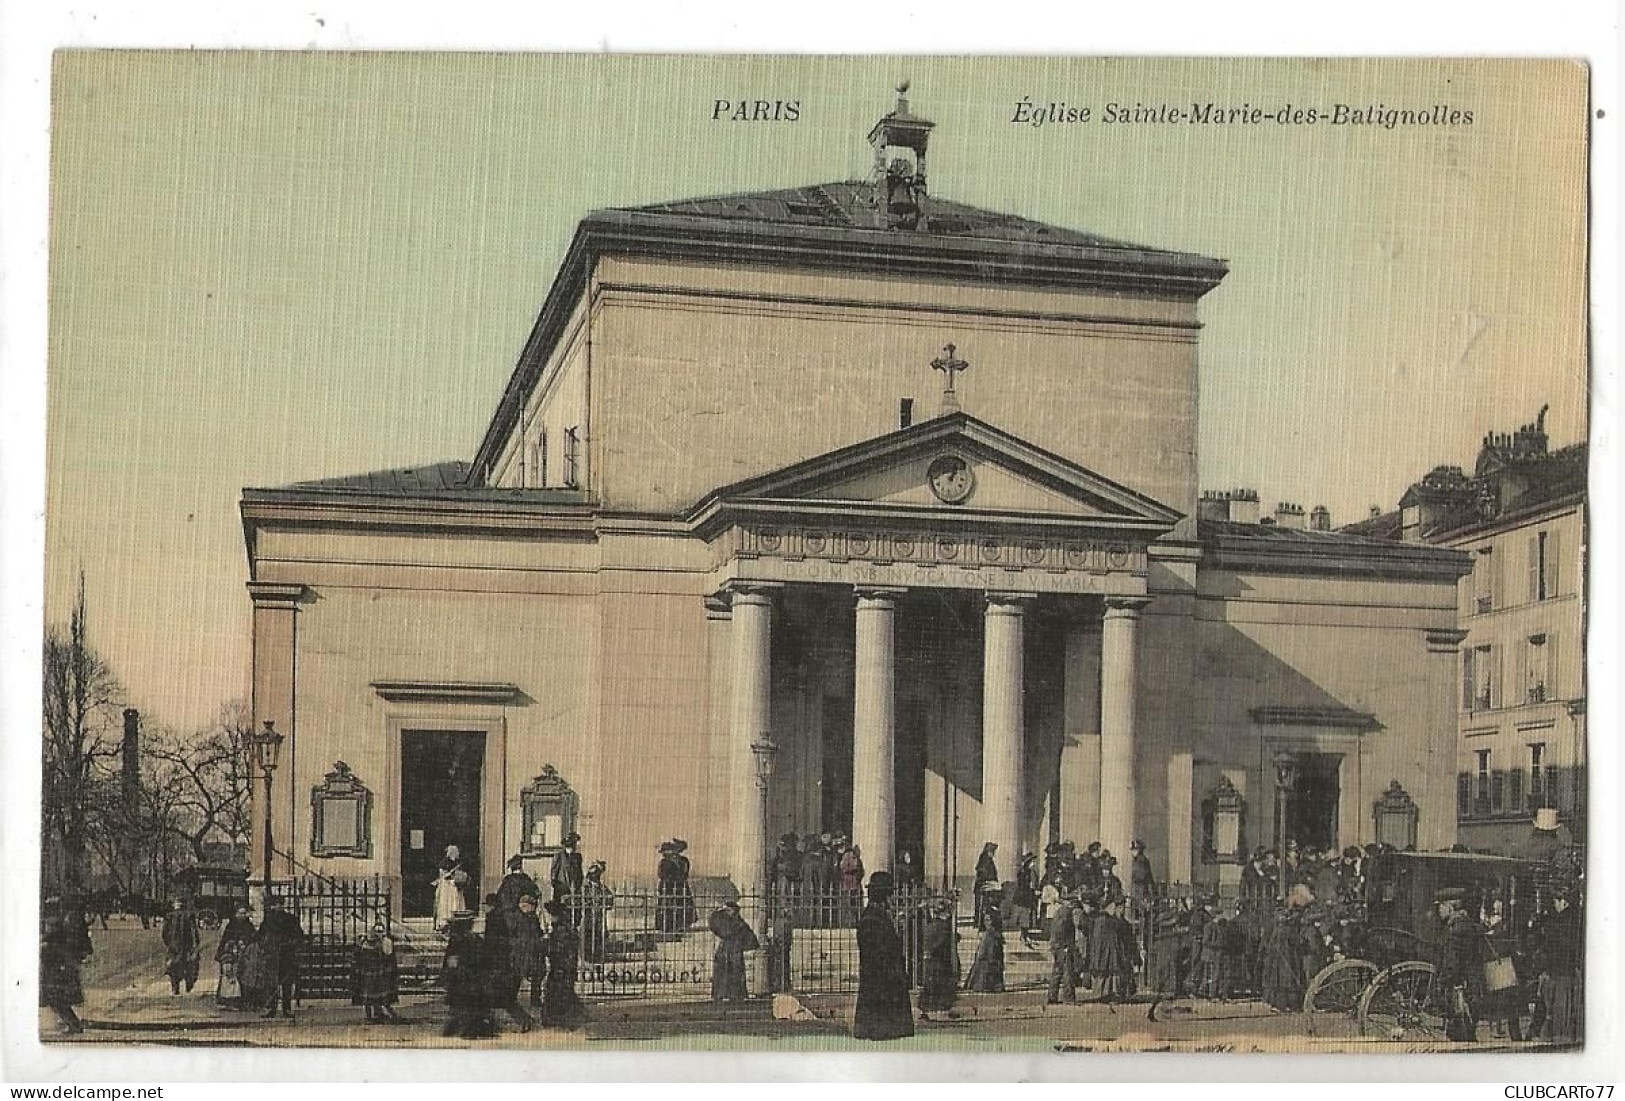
x=1286 y=776
x=765 y=750
x=267 y=747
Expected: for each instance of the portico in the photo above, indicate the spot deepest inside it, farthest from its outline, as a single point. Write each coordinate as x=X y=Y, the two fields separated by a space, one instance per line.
x=1034 y=553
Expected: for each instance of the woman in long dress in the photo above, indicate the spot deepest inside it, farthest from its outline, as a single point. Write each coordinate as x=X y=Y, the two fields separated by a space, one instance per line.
x=239 y=931
x=561 y=1005
x=448 y=887
x=882 y=1010
x=987 y=967
x=735 y=937
x=940 y=983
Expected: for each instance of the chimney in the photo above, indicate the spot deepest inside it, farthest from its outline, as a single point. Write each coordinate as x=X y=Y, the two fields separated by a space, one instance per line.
x=1244 y=506
x=1320 y=519
x=1288 y=515
x=1213 y=506
x=130 y=756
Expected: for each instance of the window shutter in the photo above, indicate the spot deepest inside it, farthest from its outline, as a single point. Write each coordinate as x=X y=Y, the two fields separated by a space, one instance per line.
x=1552 y=680
x=1497 y=580
x=1551 y=786
x=1497 y=677
x=1464 y=794
x=1515 y=801
x=1521 y=685
x=1534 y=568
x=1467 y=680
x=1554 y=562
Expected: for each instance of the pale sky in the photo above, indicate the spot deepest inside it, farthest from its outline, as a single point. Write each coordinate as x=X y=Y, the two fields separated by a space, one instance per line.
x=273 y=267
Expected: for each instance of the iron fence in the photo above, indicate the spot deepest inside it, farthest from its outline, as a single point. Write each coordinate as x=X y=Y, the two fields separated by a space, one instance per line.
x=335 y=914
x=637 y=942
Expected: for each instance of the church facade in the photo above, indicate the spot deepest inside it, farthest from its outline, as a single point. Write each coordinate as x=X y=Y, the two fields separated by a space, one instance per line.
x=844 y=508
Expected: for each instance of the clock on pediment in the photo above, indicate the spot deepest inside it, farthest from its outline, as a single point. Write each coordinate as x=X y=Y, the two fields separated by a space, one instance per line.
x=950 y=478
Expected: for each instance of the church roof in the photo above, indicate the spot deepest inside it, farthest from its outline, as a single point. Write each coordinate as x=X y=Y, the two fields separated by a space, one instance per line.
x=850 y=204
x=447 y=480
x=834 y=227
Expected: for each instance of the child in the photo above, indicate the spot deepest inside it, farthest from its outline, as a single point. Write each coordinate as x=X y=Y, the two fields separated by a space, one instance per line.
x=375 y=976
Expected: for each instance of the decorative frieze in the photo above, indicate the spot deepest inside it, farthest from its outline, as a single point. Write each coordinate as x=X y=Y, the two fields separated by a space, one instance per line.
x=883 y=547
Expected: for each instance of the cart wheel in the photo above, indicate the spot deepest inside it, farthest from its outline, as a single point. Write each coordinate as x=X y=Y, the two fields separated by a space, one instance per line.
x=1398 y=1005
x=1337 y=987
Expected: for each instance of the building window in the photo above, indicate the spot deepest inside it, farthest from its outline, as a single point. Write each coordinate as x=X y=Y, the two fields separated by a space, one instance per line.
x=341 y=815
x=1498 y=791
x=1543 y=563
x=1484 y=580
x=1515 y=803
x=1537 y=750
x=1464 y=795
x=548 y=813
x=1537 y=659
x=1550 y=793
x=1481 y=800
x=572 y=458
x=1478 y=678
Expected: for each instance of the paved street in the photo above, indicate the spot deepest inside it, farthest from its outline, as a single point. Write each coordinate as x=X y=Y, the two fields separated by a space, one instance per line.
x=128 y=1001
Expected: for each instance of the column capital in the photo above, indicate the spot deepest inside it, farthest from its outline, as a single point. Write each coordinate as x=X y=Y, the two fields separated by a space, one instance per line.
x=1007 y=603
x=1125 y=607
x=275 y=594
x=1444 y=640
x=747 y=592
x=718 y=606
x=885 y=595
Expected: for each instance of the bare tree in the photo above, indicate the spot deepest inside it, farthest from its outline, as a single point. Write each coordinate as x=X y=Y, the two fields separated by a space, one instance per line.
x=198 y=788
x=81 y=720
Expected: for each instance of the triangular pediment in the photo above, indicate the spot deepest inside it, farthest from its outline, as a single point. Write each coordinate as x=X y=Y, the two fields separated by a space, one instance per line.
x=952 y=467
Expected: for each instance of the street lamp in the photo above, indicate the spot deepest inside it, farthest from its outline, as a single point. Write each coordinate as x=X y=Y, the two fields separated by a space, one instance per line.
x=1286 y=777
x=267 y=747
x=764 y=750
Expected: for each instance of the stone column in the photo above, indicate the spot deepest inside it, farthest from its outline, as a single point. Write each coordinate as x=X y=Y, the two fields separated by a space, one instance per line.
x=275 y=607
x=1119 y=680
x=750 y=725
x=874 y=729
x=1079 y=782
x=1002 y=726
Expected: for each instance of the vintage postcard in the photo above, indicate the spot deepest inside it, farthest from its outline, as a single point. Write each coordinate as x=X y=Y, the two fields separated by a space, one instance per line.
x=821 y=553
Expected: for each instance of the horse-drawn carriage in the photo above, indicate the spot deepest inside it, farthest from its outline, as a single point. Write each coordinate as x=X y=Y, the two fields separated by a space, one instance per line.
x=216 y=891
x=1385 y=979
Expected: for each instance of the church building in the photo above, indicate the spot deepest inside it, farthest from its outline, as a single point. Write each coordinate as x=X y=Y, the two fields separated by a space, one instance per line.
x=849 y=508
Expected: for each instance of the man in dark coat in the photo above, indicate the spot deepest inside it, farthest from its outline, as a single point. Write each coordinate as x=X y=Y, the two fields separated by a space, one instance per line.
x=1559 y=938
x=785 y=868
x=468 y=994
x=282 y=939
x=62 y=951
x=1142 y=884
x=516 y=883
x=182 y=946
x=501 y=979
x=527 y=949
x=1063 y=948
x=567 y=873
x=1459 y=974
x=735 y=937
x=883 y=1011
x=781 y=931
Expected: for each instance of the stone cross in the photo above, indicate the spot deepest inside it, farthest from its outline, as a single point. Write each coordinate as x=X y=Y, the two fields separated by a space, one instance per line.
x=949 y=364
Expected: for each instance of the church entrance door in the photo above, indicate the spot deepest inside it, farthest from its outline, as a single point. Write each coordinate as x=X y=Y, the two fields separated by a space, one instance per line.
x=441 y=774
x=1312 y=808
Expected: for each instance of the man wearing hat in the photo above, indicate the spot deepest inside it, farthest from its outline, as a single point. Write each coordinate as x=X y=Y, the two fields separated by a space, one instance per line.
x=281 y=938
x=1142 y=884
x=1459 y=975
x=515 y=884
x=466 y=978
x=667 y=905
x=566 y=874
x=883 y=1011
x=596 y=900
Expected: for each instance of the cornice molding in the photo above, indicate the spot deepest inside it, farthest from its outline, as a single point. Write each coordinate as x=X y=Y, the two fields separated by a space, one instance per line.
x=445 y=691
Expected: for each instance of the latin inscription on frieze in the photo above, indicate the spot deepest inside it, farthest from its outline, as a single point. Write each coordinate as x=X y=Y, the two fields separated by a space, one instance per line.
x=935 y=549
